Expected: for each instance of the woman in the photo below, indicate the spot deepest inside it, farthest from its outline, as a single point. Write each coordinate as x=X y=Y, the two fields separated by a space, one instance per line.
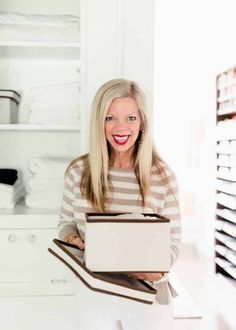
x=122 y=173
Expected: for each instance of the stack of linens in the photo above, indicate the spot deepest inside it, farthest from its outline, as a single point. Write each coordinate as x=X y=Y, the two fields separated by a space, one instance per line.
x=45 y=187
x=11 y=188
x=42 y=28
x=55 y=104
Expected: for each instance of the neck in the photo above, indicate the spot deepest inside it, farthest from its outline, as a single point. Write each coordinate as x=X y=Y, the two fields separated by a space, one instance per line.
x=121 y=160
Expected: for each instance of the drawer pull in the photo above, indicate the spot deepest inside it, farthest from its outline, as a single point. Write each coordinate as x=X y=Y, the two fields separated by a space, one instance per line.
x=32 y=238
x=12 y=238
x=58 y=281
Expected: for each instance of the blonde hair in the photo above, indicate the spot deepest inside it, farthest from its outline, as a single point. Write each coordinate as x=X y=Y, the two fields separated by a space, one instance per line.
x=94 y=181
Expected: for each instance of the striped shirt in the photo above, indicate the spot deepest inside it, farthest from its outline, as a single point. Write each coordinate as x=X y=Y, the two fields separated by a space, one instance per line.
x=123 y=196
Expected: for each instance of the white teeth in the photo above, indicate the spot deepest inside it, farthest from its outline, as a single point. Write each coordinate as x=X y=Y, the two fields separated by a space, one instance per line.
x=121 y=139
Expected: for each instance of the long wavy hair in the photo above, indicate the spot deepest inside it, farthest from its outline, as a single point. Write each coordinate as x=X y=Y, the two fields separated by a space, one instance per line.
x=94 y=183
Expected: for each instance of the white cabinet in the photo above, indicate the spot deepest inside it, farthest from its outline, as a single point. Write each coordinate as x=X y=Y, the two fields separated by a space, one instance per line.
x=27 y=313
x=116 y=40
x=24 y=257
x=36 y=290
x=24 y=243
x=27 y=64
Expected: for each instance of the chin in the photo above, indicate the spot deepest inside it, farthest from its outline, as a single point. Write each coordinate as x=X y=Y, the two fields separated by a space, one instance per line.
x=122 y=148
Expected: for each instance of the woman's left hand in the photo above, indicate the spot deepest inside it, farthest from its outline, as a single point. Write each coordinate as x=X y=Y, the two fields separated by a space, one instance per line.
x=147 y=276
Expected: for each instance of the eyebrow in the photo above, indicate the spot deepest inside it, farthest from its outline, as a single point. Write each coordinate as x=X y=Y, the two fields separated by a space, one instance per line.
x=130 y=114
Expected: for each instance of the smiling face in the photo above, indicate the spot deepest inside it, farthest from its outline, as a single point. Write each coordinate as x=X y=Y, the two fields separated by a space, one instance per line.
x=122 y=124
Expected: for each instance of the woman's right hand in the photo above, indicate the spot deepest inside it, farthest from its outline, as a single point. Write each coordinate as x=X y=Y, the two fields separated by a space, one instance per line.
x=78 y=242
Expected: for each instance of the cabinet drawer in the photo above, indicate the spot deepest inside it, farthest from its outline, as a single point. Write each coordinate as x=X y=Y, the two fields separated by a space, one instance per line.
x=27 y=313
x=24 y=257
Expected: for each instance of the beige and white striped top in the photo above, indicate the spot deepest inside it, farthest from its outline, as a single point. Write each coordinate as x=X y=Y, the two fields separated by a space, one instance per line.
x=124 y=197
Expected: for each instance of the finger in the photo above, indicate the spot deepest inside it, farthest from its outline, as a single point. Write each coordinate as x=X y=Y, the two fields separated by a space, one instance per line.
x=137 y=276
x=154 y=277
x=78 y=242
x=81 y=245
x=140 y=277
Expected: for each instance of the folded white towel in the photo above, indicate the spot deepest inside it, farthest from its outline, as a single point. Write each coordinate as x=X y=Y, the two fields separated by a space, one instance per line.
x=19 y=18
x=226 y=186
x=49 y=167
x=40 y=200
x=55 y=96
x=11 y=188
x=58 y=28
x=37 y=183
x=55 y=92
x=223 y=170
x=46 y=190
x=10 y=203
x=56 y=119
x=69 y=107
x=227 y=200
x=223 y=158
x=11 y=195
x=233 y=143
x=46 y=195
x=232 y=159
x=232 y=171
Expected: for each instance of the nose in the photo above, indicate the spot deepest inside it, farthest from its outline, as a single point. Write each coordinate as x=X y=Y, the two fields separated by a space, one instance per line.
x=120 y=128
x=121 y=123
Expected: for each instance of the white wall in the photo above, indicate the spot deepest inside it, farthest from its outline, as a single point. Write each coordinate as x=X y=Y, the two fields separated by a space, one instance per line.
x=194 y=41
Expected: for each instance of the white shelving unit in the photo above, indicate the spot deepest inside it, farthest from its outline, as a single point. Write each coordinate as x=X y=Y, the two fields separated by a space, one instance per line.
x=25 y=64
x=112 y=44
x=225 y=227
x=27 y=272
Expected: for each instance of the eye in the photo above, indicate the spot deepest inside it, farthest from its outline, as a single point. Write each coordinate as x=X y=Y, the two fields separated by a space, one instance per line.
x=109 y=118
x=132 y=118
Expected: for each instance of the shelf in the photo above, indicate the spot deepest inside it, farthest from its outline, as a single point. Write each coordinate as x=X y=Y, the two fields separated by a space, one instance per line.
x=226 y=98
x=226 y=131
x=227 y=214
x=48 y=44
x=227 y=190
x=231 y=271
x=228 y=176
x=226 y=227
x=227 y=266
x=24 y=217
x=226 y=240
x=226 y=112
x=225 y=163
x=22 y=209
x=40 y=50
x=219 y=224
x=30 y=127
x=225 y=85
x=227 y=151
x=226 y=200
x=226 y=253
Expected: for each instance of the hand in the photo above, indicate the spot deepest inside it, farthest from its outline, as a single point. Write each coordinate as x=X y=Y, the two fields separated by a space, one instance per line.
x=78 y=242
x=147 y=276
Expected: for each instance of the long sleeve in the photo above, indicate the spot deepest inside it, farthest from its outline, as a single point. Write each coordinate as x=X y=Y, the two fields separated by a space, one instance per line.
x=171 y=211
x=67 y=222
